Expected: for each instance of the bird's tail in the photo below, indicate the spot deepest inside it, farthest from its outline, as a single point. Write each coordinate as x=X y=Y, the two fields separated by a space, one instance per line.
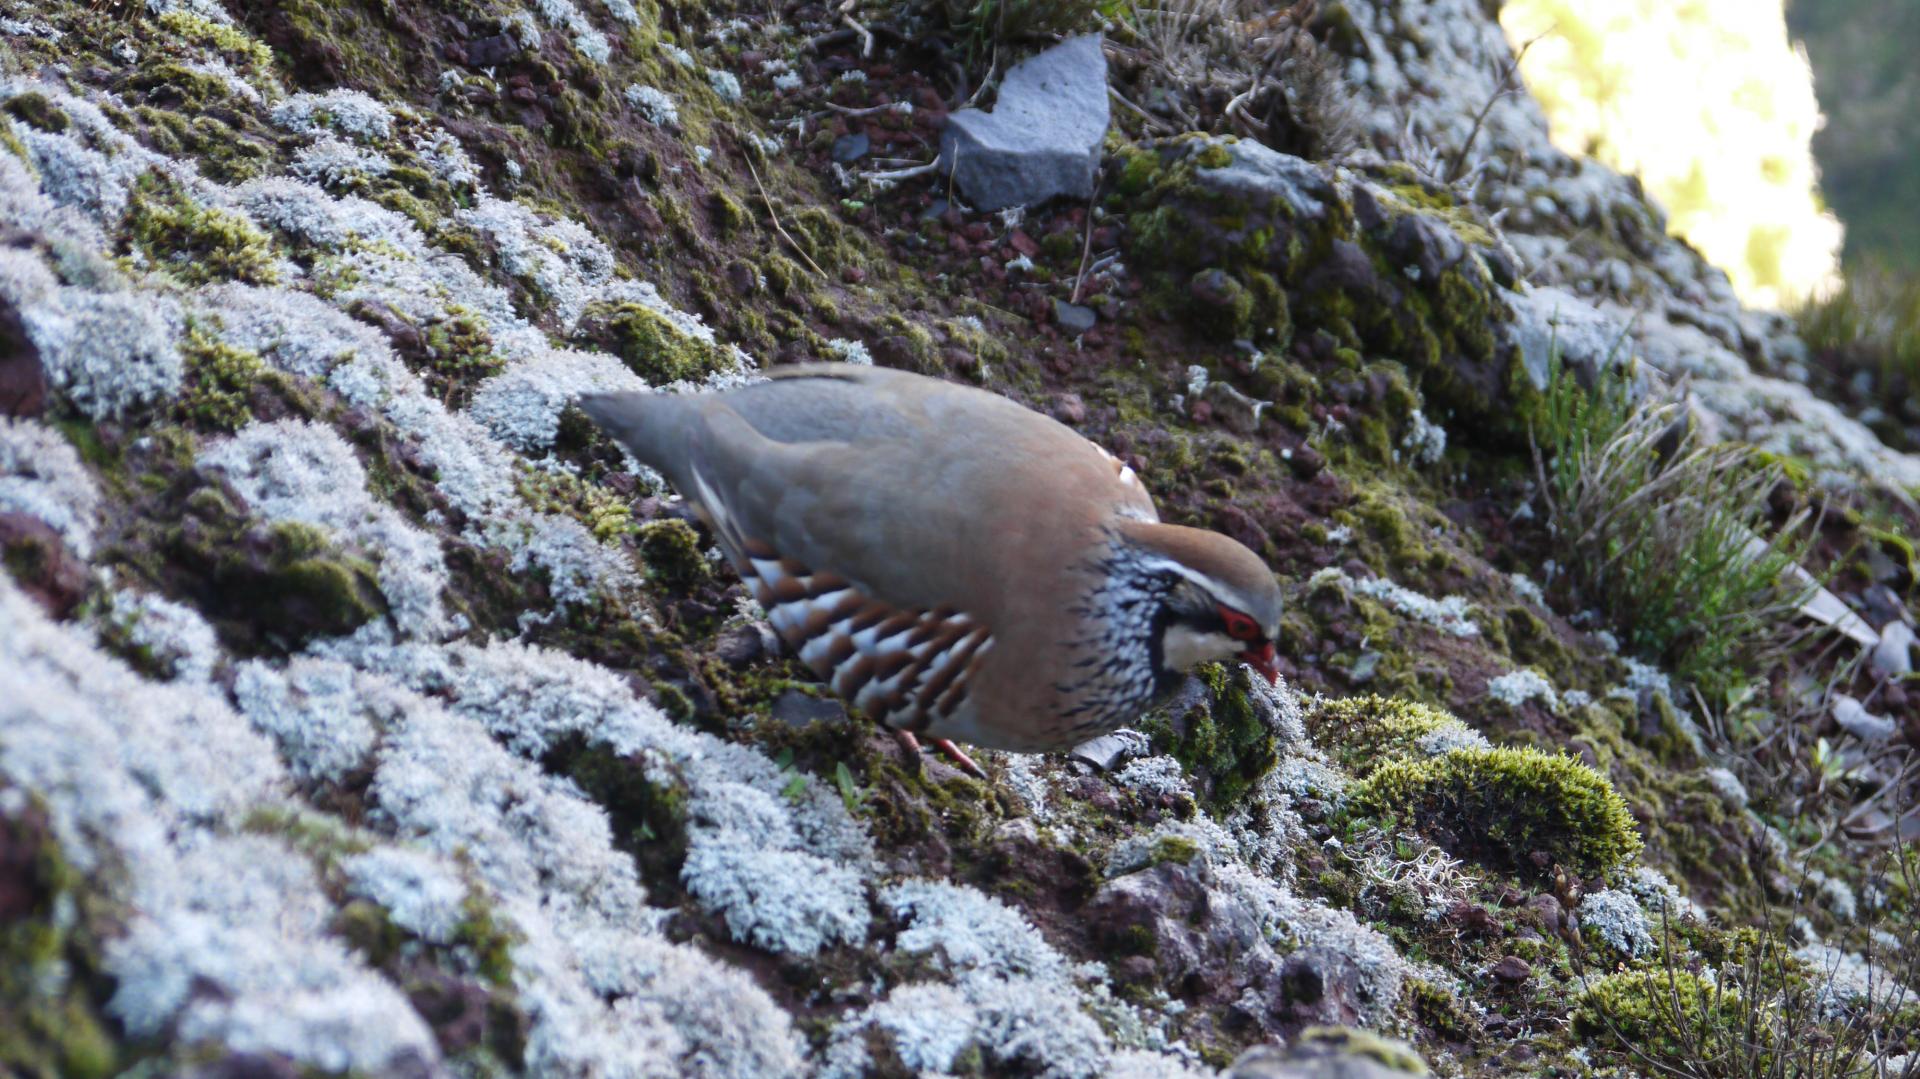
x=652 y=426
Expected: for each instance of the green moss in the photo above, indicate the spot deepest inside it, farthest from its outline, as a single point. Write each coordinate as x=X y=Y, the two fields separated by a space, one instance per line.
x=232 y=44
x=1174 y=848
x=599 y=509
x=671 y=550
x=1225 y=306
x=274 y=585
x=487 y=940
x=1668 y=1014
x=1364 y=732
x=1516 y=808
x=35 y=109
x=1442 y=1012
x=1223 y=743
x=645 y=801
x=459 y=354
x=219 y=381
x=1347 y=1041
x=198 y=244
x=729 y=217
x=650 y=344
x=53 y=1022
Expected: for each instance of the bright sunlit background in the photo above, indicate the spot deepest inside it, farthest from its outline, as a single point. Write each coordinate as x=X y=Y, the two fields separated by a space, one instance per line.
x=1711 y=104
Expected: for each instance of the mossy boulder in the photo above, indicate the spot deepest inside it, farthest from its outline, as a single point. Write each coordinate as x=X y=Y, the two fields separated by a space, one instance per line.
x=1518 y=809
x=1259 y=245
x=275 y=585
x=649 y=343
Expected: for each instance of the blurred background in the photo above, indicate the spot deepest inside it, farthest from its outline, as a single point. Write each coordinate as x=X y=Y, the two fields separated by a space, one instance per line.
x=1783 y=138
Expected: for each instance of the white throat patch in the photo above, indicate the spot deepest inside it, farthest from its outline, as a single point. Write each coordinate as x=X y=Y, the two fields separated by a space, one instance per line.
x=1182 y=648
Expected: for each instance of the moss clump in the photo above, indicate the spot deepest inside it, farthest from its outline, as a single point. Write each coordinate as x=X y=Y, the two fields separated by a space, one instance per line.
x=267 y=586
x=198 y=244
x=459 y=354
x=1516 y=808
x=650 y=344
x=219 y=379
x=310 y=584
x=1363 y=732
x=1174 y=848
x=34 y=108
x=1668 y=1014
x=729 y=217
x=1223 y=742
x=671 y=550
x=600 y=510
x=53 y=1025
x=1346 y=1041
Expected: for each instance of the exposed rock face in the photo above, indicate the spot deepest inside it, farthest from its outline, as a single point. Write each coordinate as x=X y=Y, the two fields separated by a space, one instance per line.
x=1042 y=139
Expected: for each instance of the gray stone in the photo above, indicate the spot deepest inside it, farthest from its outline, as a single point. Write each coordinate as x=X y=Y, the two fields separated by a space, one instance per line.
x=1893 y=656
x=1042 y=139
x=850 y=148
x=1072 y=318
x=1550 y=322
x=1262 y=174
x=1854 y=718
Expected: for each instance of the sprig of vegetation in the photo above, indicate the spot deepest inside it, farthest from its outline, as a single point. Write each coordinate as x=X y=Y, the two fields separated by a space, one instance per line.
x=1871 y=321
x=1664 y=531
x=1746 y=1007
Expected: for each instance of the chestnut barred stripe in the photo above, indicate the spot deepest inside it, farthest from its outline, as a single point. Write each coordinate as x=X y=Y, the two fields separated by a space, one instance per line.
x=902 y=668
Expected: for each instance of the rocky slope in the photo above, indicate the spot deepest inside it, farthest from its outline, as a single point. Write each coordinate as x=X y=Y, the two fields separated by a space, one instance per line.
x=363 y=710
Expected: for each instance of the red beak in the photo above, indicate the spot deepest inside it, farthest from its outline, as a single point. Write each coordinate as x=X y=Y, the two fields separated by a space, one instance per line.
x=1261 y=659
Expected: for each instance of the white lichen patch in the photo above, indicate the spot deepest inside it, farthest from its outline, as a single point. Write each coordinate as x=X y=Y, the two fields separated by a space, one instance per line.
x=784 y=865
x=228 y=935
x=293 y=470
x=657 y=106
x=173 y=637
x=1516 y=688
x=349 y=112
x=1616 y=918
x=1450 y=614
x=41 y=476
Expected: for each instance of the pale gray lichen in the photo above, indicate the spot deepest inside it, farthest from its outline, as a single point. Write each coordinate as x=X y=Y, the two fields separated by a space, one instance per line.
x=1619 y=922
x=349 y=112
x=657 y=106
x=175 y=638
x=41 y=476
x=294 y=470
x=1516 y=688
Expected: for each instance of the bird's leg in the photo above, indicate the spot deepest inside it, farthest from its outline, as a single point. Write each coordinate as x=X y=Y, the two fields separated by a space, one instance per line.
x=953 y=753
x=959 y=757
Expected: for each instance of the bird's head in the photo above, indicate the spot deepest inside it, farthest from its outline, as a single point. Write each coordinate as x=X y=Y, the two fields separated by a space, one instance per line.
x=1221 y=602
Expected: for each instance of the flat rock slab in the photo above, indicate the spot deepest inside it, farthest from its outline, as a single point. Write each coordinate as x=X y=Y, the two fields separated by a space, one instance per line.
x=1042 y=139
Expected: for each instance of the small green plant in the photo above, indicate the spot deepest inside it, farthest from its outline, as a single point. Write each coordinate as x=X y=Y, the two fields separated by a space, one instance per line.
x=1665 y=531
x=1871 y=321
x=987 y=24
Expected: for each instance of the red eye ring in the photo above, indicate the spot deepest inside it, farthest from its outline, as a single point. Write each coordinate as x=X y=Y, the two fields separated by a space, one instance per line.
x=1239 y=626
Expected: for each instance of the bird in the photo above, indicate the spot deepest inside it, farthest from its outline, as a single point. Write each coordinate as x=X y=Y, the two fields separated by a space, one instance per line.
x=951 y=563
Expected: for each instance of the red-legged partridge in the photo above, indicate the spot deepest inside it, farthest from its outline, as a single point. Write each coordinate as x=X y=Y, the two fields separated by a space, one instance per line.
x=953 y=564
